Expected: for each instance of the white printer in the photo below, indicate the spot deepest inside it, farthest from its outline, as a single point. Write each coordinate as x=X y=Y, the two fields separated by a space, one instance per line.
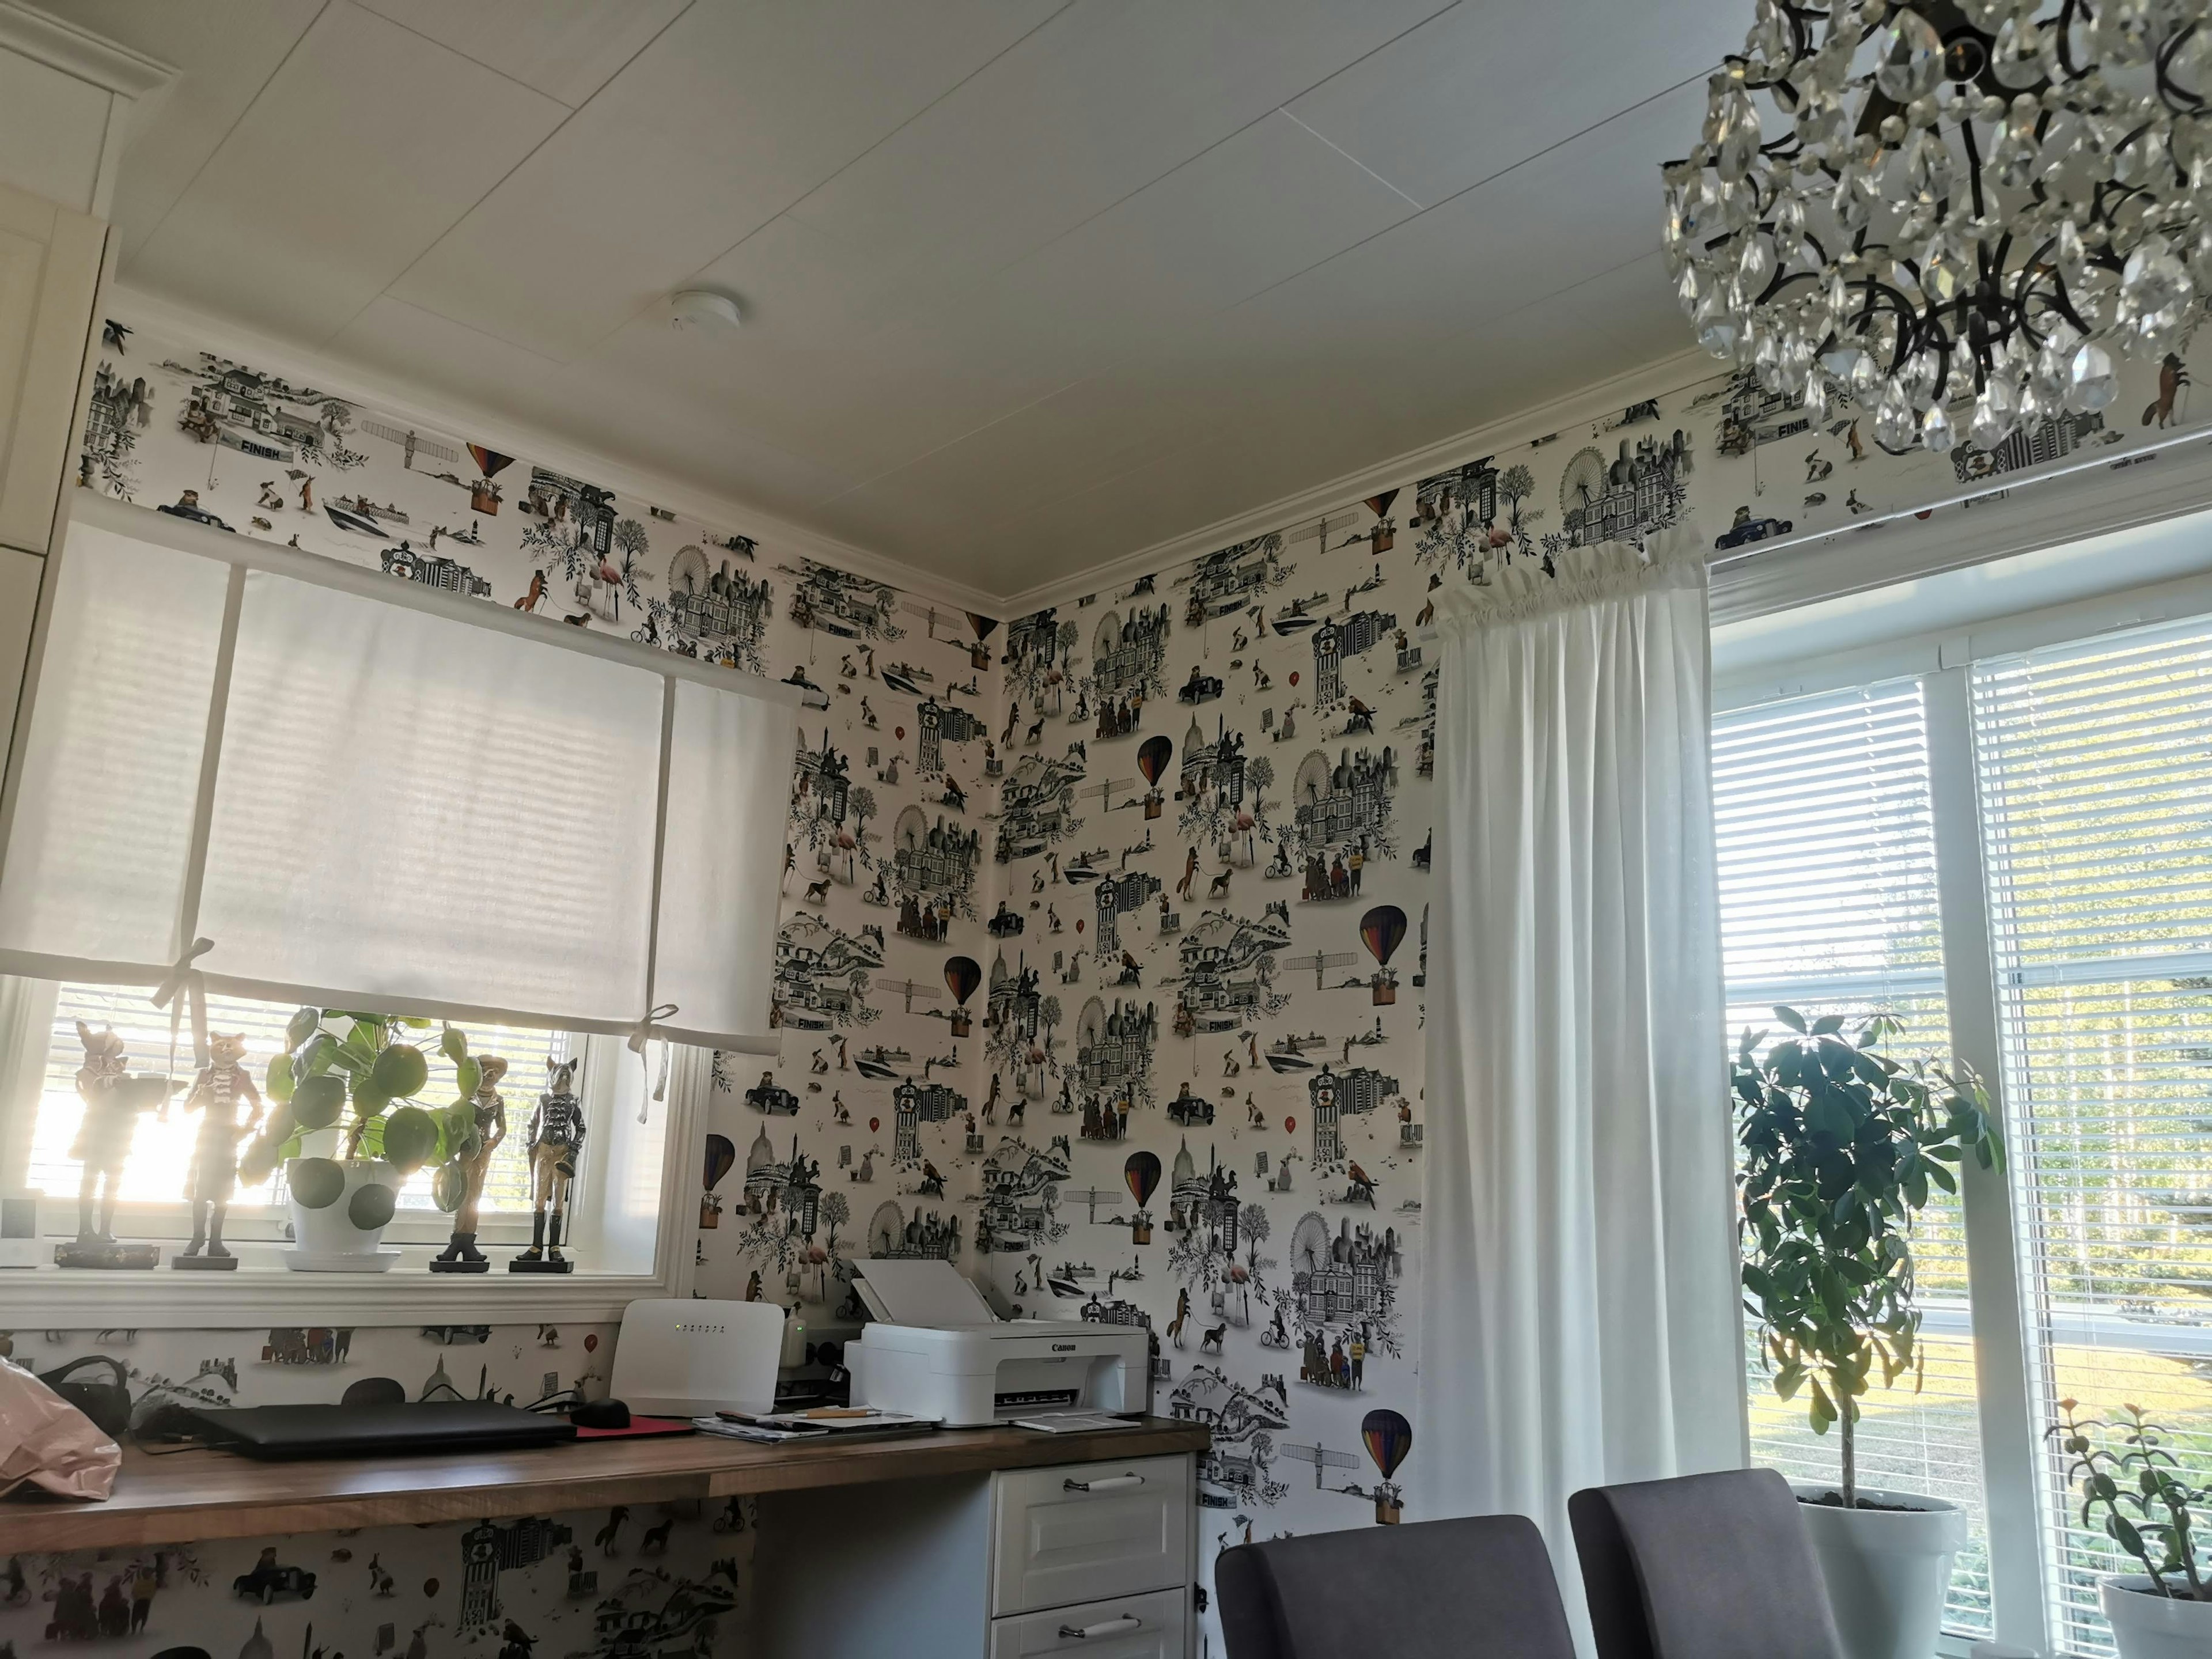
x=936 y=1350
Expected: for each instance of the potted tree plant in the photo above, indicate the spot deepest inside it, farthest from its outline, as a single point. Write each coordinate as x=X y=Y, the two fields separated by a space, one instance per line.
x=2150 y=1511
x=344 y=1181
x=1842 y=1148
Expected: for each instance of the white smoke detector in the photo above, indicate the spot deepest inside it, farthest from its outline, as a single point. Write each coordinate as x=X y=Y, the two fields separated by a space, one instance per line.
x=701 y=309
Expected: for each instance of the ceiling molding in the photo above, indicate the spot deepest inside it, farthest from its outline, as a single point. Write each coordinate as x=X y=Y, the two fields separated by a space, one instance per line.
x=75 y=51
x=1608 y=396
x=523 y=440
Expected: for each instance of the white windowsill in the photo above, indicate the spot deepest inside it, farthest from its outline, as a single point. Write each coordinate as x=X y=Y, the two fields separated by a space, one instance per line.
x=261 y=1291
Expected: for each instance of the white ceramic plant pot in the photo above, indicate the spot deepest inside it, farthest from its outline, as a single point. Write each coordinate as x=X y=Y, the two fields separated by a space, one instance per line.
x=2148 y=1625
x=328 y=1238
x=1888 y=1570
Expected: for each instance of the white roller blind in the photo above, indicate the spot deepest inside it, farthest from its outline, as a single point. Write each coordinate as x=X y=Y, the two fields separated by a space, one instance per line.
x=96 y=859
x=2095 y=765
x=414 y=802
x=716 y=802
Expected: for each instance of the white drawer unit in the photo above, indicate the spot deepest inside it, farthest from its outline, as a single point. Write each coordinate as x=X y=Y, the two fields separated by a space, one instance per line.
x=1078 y=1532
x=1097 y=1559
x=1152 y=1627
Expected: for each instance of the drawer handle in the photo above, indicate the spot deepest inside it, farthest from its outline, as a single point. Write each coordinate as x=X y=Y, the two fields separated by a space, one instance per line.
x=1111 y=1482
x=1122 y=1626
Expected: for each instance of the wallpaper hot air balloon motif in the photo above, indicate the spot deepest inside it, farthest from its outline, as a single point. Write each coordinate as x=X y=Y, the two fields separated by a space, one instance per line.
x=1383 y=930
x=721 y=1154
x=1141 y=1173
x=1387 y=1437
x=962 y=976
x=1153 y=757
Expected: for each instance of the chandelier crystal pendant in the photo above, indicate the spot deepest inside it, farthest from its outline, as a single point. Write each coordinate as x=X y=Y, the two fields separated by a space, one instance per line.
x=1955 y=212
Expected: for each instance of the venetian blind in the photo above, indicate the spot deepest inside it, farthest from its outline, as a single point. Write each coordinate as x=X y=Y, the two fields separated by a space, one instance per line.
x=364 y=792
x=2095 y=771
x=1825 y=829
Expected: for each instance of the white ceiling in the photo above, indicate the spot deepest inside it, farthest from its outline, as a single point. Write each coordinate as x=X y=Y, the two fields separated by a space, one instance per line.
x=1028 y=284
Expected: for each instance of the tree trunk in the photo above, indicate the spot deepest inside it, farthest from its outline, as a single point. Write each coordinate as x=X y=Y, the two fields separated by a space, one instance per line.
x=1848 y=1424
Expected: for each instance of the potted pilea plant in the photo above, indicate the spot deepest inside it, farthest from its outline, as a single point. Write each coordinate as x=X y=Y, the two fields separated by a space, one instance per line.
x=344 y=1179
x=1842 y=1148
x=2149 y=1508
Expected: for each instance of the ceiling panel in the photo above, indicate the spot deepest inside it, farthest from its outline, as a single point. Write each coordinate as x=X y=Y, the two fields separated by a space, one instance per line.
x=365 y=146
x=734 y=111
x=566 y=49
x=1484 y=86
x=1249 y=213
x=1027 y=284
x=223 y=56
x=1585 y=207
x=1110 y=96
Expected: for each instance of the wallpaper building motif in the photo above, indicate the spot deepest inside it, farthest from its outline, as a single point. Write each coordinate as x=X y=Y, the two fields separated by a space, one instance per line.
x=1102 y=965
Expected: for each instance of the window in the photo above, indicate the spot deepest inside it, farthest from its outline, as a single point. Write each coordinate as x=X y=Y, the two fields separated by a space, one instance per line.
x=162 y=1150
x=1828 y=905
x=2078 y=839
x=2095 y=769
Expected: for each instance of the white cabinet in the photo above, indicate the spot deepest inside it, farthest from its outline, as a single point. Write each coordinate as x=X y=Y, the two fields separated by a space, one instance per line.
x=49 y=280
x=1080 y=1532
x=1096 y=1558
x=1154 y=1626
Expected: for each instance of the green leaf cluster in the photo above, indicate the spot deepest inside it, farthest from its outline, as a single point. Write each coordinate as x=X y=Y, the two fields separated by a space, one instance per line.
x=2148 y=1506
x=333 y=1057
x=1841 y=1147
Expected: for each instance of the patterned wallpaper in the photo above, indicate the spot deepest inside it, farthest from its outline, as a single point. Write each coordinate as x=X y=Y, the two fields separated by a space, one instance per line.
x=1102 y=965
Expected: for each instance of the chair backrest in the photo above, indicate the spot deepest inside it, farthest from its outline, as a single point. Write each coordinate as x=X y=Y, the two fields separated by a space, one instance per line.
x=1475 y=1588
x=1707 y=1566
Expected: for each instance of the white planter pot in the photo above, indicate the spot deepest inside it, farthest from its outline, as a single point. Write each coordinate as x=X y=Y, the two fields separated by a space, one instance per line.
x=1887 y=1571
x=330 y=1231
x=2145 y=1625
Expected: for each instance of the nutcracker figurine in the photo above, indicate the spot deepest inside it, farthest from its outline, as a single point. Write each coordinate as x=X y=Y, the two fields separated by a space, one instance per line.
x=556 y=1135
x=113 y=1101
x=461 y=1255
x=221 y=1087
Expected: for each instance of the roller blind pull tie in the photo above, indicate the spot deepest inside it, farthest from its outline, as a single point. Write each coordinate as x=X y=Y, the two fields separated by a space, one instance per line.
x=642 y=1036
x=182 y=980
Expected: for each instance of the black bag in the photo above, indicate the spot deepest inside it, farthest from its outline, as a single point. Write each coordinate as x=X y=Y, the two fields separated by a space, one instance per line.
x=106 y=1402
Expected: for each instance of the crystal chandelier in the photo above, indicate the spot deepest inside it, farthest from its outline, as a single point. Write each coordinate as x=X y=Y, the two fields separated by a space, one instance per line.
x=1950 y=211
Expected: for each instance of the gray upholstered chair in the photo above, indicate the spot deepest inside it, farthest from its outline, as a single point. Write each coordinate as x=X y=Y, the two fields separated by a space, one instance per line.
x=1477 y=1589
x=1707 y=1566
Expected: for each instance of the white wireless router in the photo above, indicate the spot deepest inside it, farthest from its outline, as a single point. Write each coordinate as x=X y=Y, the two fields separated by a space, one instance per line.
x=692 y=1359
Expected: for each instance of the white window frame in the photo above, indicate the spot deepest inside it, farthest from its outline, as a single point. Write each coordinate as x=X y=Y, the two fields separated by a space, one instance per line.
x=2012 y=1443
x=629 y=1234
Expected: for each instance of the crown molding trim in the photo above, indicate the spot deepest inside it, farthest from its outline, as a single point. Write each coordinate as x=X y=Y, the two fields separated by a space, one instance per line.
x=75 y=51
x=432 y=410
x=1655 y=379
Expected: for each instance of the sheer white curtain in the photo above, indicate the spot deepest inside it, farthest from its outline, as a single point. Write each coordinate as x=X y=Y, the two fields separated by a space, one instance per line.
x=1579 y=1316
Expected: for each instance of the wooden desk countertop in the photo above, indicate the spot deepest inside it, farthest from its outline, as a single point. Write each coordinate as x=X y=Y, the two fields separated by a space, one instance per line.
x=185 y=1497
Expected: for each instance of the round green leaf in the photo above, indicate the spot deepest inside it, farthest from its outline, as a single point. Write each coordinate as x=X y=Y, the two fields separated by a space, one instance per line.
x=258 y=1162
x=400 y=1072
x=279 y=1077
x=317 y=1100
x=454 y=1044
x=449 y=1187
x=316 y=1182
x=302 y=1026
x=371 y=1206
x=411 y=1136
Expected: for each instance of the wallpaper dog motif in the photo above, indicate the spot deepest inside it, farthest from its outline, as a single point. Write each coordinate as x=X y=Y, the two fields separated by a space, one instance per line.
x=1102 y=967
